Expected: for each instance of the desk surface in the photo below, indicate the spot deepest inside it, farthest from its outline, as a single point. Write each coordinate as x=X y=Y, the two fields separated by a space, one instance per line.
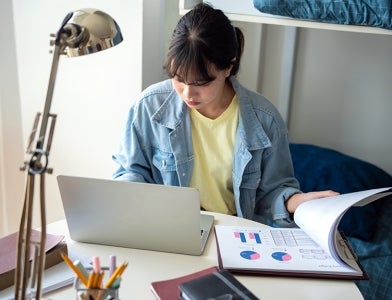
x=147 y=266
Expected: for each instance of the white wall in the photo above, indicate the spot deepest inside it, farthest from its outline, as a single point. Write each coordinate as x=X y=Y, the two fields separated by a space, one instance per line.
x=159 y=19
x=11 y=144
x=341 y=90
x=92 y=94
x=342 y=93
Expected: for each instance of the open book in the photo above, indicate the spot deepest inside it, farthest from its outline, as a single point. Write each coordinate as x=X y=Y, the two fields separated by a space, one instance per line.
x=315 y=249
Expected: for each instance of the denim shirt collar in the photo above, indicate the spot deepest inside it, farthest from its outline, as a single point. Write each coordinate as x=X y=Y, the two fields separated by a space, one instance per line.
x=173 y=111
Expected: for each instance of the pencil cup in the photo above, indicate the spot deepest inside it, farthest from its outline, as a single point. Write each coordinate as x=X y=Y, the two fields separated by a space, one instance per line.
x=84 y=292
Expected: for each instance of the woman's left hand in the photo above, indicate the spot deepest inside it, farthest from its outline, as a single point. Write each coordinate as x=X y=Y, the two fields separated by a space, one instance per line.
x=295 y=200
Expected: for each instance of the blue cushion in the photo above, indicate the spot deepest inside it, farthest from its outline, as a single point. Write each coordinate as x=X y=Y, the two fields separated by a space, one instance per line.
x=318 y=168
x=377 y=13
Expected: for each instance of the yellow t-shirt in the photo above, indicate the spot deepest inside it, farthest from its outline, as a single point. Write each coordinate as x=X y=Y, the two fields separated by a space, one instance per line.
x=213 y=144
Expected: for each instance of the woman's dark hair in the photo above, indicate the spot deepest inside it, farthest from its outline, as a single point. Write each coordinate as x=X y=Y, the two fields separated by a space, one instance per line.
x=202 y=36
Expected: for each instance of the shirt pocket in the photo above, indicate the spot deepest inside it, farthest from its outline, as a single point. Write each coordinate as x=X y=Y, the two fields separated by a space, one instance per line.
x=164 y=161
x=250 y=180
x=252 y=176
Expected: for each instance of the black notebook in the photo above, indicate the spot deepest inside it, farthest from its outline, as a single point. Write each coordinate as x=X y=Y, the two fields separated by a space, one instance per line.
x=219 y=285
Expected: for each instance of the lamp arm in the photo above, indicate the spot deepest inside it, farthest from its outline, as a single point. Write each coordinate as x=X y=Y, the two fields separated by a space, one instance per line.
x=37 y=165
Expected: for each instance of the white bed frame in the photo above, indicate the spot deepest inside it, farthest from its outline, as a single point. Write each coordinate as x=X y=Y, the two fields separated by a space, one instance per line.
x=243 y=10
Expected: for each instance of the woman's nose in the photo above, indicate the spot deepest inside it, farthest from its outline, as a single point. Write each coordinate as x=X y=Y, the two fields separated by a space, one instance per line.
x=188 y=91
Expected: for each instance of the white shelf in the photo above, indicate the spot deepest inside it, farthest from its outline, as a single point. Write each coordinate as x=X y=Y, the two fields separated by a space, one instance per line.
x=186 y=5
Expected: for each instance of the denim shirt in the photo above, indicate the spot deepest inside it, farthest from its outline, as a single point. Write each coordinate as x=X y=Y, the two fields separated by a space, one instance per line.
x=157 y=148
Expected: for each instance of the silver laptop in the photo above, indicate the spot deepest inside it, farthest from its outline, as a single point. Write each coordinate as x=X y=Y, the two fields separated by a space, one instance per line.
x=134 y=215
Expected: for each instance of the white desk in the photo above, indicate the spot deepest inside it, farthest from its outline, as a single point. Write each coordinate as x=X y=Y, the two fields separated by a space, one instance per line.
x=147 y=266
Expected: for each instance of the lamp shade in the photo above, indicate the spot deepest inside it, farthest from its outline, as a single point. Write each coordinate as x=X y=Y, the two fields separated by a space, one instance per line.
x=87 y=31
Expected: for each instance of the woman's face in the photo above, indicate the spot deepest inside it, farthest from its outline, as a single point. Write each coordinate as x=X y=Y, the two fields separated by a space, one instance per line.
x=203 y=95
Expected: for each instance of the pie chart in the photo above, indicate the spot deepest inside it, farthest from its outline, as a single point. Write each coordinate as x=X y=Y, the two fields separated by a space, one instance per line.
x=250 y=255
x=281 y=256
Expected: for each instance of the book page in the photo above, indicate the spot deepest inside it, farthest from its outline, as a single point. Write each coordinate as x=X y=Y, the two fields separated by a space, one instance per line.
x=274 y=250
x=320 y=218
x=54 y=278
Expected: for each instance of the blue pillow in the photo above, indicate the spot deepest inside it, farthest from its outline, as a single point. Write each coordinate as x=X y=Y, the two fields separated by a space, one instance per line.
x=377 y=13
x=318 y=168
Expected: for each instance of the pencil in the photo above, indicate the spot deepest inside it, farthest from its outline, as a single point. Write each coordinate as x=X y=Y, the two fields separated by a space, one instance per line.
x=94 y=280
x=99 y=280
x=117 y=273
x=79 y=273
x=91 y=279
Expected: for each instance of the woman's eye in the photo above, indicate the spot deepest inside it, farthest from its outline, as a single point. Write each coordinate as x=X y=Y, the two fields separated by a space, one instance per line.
x=201 y=83
x=194 y=83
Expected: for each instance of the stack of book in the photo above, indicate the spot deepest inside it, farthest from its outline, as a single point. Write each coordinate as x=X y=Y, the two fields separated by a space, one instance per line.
x=8 y=251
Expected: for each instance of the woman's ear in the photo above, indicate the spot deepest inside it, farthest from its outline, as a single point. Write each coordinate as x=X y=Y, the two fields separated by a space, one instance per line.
x=228 y=70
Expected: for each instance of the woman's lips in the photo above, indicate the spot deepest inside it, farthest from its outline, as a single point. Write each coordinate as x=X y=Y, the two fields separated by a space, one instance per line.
x=192 y=103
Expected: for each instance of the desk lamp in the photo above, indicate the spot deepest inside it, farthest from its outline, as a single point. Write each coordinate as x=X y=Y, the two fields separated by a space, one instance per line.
x=82 y=32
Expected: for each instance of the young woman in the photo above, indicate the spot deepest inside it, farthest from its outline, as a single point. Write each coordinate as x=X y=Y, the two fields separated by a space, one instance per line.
x=202 y=128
